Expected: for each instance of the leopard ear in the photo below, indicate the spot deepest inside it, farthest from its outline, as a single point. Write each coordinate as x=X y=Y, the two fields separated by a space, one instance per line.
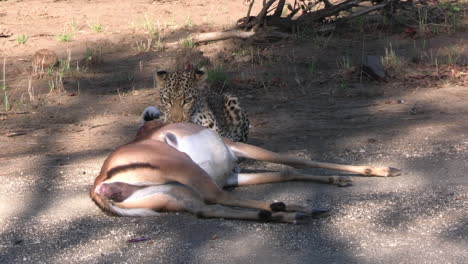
x=200 y=74
x=161 y=77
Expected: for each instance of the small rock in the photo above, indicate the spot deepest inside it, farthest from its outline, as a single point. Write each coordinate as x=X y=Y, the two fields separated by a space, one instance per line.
x=243 y=59
x=373 y=66
x=417 y=109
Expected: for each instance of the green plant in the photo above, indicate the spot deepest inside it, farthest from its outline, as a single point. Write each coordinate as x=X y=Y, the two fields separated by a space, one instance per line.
x=150 y=27
x=148 y=45
x=158 y=45
x=4 y=87
x=187 y=43
x=93 y=56
x=64 y=37
x=50 y=70
x=188 y=23
x=343 y=85
x=64 y=69
x=96 y=27
x=452 y=13
x=217 y=76
x=391 y=60
x=68 y=34
x=312 y=67
x=344 y=63
x=453 y=55
x=422 y=19
x=64 y=66
x=6 y=104
x=122 y=77
x=21 y=39
x=359 y=22
x=74 y=26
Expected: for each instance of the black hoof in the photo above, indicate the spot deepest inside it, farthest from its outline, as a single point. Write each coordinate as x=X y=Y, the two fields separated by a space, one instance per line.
x=392 y=172
x=278 y=207
x=264 y=215
x=301 y=218
x=344 y=184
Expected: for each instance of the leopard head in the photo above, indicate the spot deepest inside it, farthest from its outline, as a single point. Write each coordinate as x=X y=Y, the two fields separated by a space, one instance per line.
x=179 y=92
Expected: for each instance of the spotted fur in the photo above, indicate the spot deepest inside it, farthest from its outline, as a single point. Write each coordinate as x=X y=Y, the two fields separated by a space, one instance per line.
x=185 y=98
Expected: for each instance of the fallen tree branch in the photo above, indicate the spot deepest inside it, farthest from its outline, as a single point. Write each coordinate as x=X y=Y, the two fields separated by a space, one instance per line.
x=214 y=36
x=13 y=113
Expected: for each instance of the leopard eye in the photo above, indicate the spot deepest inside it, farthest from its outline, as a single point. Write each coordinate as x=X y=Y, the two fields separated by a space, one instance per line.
x=166 y=101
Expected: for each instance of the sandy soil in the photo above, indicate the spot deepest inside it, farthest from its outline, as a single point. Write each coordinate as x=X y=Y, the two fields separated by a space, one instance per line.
x=51 y=153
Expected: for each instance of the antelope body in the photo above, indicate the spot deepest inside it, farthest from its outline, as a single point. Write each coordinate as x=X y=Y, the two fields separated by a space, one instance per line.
x=183 y=167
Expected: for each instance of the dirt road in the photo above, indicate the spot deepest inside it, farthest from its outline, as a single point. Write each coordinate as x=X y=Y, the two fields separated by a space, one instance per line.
x=50 y=155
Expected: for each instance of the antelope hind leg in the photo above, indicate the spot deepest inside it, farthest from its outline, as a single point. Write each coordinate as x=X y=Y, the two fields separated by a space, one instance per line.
x=256 y=153
x=287 y=174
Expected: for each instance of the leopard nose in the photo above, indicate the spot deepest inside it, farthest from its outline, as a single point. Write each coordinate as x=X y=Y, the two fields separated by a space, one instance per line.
x=176 y=117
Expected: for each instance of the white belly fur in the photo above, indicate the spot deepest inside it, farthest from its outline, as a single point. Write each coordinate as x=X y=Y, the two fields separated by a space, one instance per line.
x=208 y=150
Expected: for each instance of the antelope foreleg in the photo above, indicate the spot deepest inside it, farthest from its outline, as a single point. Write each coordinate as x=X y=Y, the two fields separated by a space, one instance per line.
x=219 y=211
x=253 y=152
x=177 y=198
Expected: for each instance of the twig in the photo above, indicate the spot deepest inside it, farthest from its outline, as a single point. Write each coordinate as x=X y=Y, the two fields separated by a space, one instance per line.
x=14 y=134
x=13 y=113
x=250 y=8
x=5 y=97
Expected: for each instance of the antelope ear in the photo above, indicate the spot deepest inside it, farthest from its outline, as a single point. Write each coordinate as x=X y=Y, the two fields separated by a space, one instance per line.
x=200 y=74
x=161 y=75
x=171 y=140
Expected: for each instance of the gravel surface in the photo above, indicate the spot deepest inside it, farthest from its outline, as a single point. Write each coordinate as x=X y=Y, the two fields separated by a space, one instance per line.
x=419 y=217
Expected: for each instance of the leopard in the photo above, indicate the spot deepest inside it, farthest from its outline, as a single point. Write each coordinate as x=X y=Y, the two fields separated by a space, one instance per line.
x=185 y=97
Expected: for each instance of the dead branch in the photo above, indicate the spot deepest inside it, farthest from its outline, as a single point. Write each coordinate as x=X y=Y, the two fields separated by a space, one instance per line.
x=328 y=12
x=13 y=113
x=250 y=8
x=261 y=16
x=214 y=36
x=279 y=8
x=327 y=3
